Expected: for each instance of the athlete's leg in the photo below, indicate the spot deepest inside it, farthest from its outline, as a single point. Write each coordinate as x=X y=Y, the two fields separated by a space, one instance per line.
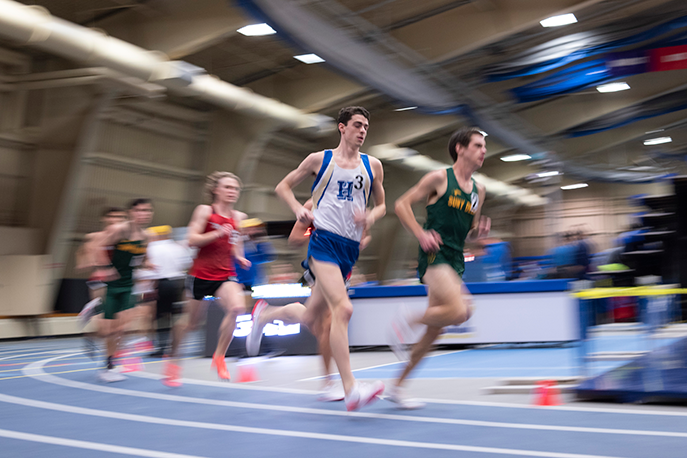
x=193 y=309
x=331 y=285
x=192 y=313
x=318 y=318
x=116 y=302
x=449 y=299
x=290 y=314
x=447 y=306
x=231 y=300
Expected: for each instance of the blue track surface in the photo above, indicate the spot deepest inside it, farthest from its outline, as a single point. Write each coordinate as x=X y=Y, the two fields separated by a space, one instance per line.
x=53 y=405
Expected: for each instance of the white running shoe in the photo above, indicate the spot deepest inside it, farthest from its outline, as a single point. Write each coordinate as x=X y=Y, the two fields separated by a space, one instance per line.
x=363 y=394
x=255 y=337
x=333 y=392
x=88 y=311
x=398 y=396
x=111 y=375
x=399 y=336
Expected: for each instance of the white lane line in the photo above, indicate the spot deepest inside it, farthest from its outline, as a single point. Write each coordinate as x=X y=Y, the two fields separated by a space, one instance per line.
x=232 y=386
x=381 y=365
x=35 y=370
x=39 y=353
x=17 y=349
x=286 y=433
x=507 y=405
x=89 y=445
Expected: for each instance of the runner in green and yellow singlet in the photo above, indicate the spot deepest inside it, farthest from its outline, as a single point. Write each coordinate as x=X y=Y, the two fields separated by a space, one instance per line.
x=129 y=241
x=454 y=204
x=450 y=217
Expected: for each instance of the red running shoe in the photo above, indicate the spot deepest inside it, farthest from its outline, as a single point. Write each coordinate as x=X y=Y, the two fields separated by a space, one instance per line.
x=172 y=375
x=221 y=366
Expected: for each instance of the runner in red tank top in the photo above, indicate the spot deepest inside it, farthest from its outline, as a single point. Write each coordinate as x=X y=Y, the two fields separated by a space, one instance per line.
x=214 y=260
x=214 y=230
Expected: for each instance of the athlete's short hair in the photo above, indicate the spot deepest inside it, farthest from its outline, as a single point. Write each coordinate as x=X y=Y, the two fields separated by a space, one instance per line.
x=462 y=136
x=212 y=180
x=346 y=113
x=109 y=210
x=140 y=201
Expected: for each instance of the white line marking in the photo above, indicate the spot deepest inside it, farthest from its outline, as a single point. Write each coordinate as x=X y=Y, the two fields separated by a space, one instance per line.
x=90 y=445
x=285 y=433
x=233 y=386
x=506 y=405
x=35 y=370
x=381 y=365
x=17 y=349
x=39 y=353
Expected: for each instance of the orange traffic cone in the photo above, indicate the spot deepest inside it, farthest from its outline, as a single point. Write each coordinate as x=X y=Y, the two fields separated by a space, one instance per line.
x=547 y=394
x=132 y=364
x=247 y=373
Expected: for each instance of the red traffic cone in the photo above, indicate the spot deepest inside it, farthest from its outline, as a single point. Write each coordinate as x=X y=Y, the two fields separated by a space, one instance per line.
x=547 y=394
x=247 y=373
x=133 y=364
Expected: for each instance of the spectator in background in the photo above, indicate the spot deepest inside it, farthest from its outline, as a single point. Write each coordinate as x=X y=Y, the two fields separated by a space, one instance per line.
x=170 y=260
x=497 y=259
x=563 y=257
x=282 y=272
x=583 y=250
x=258 y=250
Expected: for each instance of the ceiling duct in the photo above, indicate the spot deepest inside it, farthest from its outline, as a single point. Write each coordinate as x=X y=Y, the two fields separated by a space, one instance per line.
x=408 y=85
x=36 y=27
x=410 y=159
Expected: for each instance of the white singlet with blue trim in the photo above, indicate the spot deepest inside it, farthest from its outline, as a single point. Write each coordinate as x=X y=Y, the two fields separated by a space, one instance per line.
x=338 y=194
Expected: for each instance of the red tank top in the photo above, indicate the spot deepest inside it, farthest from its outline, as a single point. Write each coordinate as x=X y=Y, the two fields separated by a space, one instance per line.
x=214 y=260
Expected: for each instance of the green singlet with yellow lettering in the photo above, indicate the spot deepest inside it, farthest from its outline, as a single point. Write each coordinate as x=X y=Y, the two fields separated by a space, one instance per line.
x=451 y=217
x=126 y=256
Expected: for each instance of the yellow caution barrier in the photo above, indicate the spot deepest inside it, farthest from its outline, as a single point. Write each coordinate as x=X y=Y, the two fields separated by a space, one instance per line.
x=602 y=293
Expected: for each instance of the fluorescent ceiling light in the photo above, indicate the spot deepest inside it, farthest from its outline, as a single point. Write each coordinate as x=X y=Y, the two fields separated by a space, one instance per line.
x=405 y=109
x=256 y=30
x=654 y=131
x=423 y=163
x=613 y=87
x=309 y=58
x=516 y=157
x=657 y=141
x=574 y=186
x=548 y=174
x=557 y=21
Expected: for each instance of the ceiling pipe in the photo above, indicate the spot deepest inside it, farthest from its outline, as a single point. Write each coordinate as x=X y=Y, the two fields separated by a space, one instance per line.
x=82 y=77
x=412 y=160
x=405 y=83
x=36 y=27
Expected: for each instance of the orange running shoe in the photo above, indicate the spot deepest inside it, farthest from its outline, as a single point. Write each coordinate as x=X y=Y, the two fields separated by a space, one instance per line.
x=172 y=375
x=221 y=366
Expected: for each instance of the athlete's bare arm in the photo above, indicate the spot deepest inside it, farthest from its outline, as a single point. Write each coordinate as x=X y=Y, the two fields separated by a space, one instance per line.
x=480 y=224
x=196 y=234
x=378 y=194
x=85 y=255
x=284 y=189
x=238 y=252
x=101 y=241
x=297 y=236
x=424 y=191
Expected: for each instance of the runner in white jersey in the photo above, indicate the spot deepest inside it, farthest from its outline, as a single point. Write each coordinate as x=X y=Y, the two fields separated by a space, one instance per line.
x=345 y=182
x=339 y=194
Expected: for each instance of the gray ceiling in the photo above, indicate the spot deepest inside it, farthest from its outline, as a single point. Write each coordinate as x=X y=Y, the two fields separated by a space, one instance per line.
x=449 y=50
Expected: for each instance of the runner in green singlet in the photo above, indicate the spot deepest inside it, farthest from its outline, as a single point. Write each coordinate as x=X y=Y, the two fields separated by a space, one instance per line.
x=128 y=241
x=454 y=203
